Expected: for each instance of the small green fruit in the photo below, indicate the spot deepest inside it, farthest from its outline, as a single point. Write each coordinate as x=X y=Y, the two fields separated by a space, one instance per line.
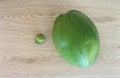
x=76 y=38
x=39 y=38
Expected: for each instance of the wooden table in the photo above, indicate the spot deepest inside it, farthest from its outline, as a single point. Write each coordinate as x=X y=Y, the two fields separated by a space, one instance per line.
x=21 y=20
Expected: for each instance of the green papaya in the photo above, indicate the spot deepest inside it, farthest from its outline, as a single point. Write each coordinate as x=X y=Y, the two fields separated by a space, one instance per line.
x=76 y=38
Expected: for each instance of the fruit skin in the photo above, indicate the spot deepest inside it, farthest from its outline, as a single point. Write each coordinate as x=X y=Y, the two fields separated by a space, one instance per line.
x=76 y=38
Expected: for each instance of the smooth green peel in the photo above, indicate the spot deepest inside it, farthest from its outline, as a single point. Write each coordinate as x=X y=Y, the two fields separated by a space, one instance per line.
x=76 y=38
x=39 y=39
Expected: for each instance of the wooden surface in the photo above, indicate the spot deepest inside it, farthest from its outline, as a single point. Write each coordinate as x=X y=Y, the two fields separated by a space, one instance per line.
x=21 y=20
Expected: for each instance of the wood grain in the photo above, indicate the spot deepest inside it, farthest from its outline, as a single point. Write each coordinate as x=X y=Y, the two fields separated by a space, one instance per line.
x=21 y=20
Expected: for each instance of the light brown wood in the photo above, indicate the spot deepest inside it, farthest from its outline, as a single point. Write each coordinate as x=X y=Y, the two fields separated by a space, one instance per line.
x=21 y=20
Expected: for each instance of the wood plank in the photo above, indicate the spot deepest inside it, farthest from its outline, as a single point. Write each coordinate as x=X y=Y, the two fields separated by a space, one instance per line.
x=21 y=20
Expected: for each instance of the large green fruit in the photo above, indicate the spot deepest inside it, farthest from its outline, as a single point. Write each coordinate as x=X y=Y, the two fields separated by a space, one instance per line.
x=76 y=38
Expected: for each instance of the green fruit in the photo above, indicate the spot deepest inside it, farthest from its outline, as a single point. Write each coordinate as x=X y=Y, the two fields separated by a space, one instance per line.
x=76 y=38
x=39 y=38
